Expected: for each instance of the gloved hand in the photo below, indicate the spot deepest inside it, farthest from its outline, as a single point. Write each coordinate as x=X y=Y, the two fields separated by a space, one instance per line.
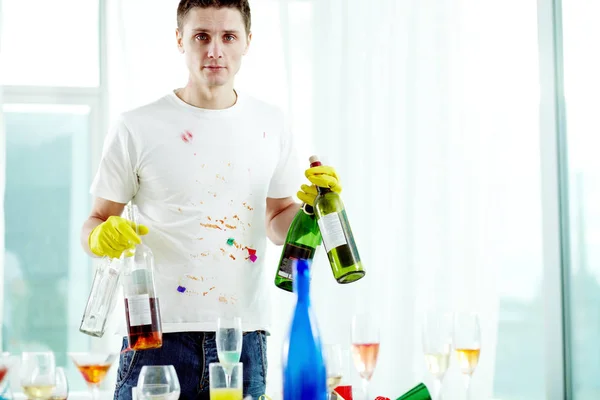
x=323 y=176
x=114 y=236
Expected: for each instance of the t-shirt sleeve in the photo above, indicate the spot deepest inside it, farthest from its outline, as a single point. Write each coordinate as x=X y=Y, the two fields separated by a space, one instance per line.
x=116 y=178
x=288 y=174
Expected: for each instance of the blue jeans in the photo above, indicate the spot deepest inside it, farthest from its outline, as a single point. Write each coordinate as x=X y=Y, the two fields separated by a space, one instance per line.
x=191 y=353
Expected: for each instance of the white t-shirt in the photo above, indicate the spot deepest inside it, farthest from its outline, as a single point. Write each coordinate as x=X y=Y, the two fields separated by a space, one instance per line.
x=200 y=179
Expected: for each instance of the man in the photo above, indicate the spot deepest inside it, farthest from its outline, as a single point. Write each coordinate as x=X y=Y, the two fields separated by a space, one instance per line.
x=211 y=171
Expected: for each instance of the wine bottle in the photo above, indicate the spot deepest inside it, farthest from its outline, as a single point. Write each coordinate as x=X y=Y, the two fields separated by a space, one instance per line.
x=337 y=235
x=103 y=297
x=419 y=392
x=304 y=374
x=142 y=310
x=301 y=242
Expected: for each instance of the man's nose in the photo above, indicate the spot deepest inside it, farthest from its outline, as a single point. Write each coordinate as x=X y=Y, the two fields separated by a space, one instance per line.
x=215 y=50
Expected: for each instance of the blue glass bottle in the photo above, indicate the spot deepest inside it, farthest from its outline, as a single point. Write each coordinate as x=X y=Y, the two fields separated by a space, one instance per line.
x=304 y=375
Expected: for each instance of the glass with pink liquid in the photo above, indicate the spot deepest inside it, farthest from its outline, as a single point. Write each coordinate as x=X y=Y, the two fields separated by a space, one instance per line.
x=365 y=347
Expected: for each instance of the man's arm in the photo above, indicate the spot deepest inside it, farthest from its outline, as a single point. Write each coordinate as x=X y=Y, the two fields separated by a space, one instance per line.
x=280 y=213
x=101 y=210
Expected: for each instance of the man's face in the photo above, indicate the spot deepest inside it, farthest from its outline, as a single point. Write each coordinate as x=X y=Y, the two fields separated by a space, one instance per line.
x=214 y=42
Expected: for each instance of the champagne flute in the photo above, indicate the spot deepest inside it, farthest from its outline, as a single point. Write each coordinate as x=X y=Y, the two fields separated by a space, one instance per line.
x=467 y=344
x=365 y=347
x=229 y=340
x=158 y=382
x=38 y=374
x=333 y=365
x=437 y=343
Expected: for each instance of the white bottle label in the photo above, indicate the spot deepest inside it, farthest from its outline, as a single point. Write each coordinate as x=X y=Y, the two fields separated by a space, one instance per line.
x=139 y=310
x=332 y=231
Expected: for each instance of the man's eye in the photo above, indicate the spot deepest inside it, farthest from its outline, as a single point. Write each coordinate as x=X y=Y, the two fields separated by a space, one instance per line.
x=229 y=38
x=201 y=36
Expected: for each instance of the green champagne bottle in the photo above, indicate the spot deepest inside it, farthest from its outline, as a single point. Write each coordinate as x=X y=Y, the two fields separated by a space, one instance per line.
x=301 y=242
x=337 y=235
x=419 y=392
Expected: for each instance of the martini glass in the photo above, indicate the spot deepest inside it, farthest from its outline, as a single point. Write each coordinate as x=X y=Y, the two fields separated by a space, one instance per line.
x=93 y=368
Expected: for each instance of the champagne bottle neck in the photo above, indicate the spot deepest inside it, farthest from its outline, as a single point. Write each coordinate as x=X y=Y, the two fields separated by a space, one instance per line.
x=323 y=190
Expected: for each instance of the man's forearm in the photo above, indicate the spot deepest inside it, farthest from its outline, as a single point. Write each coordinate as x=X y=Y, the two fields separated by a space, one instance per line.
x=86 y=230
x=280 y=224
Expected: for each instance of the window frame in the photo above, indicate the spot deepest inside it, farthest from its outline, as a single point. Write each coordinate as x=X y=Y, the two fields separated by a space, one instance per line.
x=555 y=201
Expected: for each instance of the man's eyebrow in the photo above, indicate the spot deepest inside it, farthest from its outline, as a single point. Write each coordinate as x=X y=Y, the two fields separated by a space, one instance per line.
x=227 y=31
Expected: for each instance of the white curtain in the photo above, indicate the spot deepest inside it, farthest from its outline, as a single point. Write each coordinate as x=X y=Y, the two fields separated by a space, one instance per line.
x=428 y=110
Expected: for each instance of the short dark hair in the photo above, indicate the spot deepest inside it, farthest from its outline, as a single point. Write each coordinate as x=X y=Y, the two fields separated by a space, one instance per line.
x=186 y=5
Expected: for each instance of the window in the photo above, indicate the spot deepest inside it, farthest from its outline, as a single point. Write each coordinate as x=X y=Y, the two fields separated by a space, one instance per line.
x=47 y=179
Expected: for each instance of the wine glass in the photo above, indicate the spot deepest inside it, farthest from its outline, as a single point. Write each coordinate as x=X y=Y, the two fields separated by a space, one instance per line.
x=61 y=387
x=467 y=344
x=229 y=342
x=93 y=368
x=334 y=365
x=437 y=343
x=158 y=382
x=38 y=374
x=365 y=347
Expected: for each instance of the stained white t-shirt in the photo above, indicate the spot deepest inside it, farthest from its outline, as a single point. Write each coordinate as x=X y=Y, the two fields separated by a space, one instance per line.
x=200 y=179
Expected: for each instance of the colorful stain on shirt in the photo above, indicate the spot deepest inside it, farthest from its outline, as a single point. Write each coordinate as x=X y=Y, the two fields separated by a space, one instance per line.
x=187 y=137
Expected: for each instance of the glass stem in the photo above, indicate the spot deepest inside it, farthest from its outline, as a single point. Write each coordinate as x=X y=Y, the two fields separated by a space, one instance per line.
x=228 y=379
x=95 y=389
x=437 y=387
x=365 y=385
x=467 y=385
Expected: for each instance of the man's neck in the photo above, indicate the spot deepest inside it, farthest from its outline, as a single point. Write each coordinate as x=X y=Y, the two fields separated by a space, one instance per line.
x=217 y=98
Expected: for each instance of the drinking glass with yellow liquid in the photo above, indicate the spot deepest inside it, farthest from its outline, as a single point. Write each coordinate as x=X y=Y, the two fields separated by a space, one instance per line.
x=437 y=343
x=467 y=344
x=38 y=374
x=224 y=386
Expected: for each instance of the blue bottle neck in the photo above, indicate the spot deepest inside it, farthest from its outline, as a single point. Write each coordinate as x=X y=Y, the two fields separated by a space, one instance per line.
x=302 y=286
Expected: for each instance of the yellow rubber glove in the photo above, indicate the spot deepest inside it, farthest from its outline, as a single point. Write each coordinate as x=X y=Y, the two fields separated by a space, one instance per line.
x=114 y=236
x=323 y=176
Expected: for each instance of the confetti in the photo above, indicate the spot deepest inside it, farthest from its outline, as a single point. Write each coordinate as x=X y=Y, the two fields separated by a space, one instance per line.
x=230 y=241
x=181 y=289
x=251 y=251
x=253 y=258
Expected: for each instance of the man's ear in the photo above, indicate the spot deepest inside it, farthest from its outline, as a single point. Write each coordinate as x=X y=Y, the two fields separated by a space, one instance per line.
x=248 y=40
x=179 y=36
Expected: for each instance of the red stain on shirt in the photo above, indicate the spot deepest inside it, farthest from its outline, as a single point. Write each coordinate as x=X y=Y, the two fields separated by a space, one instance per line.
x=187 y=137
